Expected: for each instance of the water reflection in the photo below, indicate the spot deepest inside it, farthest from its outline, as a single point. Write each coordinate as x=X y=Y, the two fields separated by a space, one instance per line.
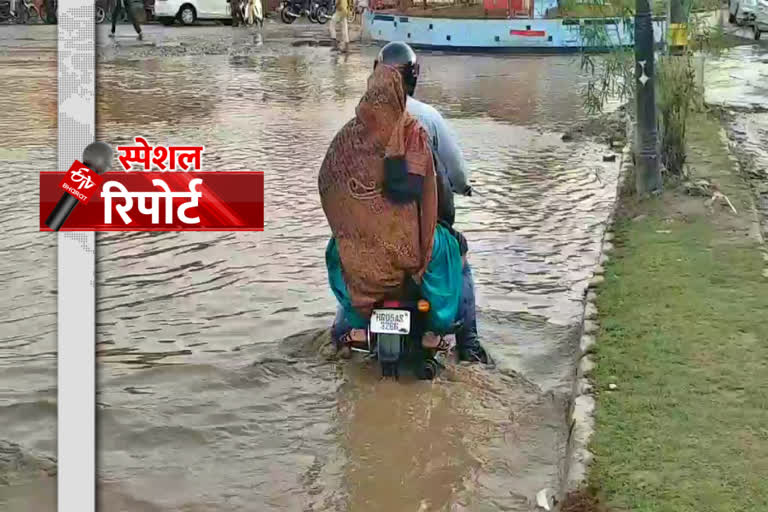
x=526 y=91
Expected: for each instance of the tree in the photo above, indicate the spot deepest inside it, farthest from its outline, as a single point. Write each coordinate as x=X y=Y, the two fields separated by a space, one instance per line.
x=662 y=94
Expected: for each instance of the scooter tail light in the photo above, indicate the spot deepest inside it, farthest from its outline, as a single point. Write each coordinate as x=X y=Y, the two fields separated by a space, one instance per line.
x=392 y=304
x=422 y=306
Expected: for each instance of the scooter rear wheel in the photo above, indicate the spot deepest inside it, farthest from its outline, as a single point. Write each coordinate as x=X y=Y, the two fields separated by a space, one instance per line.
x=322 y=15
x=389 y=370
x=285 y=17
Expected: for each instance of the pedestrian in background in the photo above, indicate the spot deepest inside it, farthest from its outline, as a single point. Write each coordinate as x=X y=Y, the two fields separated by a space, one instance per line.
x=125 y=4
x=342 y=9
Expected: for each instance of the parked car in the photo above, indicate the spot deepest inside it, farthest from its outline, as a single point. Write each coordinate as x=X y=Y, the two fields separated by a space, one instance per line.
x=188 y=12
x=760 y=24
x=742 y=12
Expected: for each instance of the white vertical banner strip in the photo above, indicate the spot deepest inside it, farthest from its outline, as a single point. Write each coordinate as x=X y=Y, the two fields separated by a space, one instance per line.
x=76 y=266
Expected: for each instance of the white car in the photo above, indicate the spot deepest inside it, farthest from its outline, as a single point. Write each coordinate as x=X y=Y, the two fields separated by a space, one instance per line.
x=742 y=12
x=189 y=11
x=760 y=24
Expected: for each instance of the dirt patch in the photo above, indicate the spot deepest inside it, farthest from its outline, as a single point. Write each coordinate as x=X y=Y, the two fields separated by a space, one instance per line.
x=583 y=500
x=713 y=187
x=608 y=128
x=274 y=38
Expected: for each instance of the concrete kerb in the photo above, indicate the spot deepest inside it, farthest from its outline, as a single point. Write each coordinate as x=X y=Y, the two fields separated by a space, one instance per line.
x=581 y=420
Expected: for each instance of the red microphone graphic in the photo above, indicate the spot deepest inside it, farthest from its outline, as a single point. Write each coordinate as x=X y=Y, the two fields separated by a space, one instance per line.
x=97 y=158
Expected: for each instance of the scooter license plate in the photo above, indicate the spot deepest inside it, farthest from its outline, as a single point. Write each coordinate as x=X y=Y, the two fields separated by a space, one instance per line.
x=391 y=321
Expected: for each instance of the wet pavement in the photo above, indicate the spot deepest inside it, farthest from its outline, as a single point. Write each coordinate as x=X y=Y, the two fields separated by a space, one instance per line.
x=212 y=392
x=738 y=83
x=211 y=39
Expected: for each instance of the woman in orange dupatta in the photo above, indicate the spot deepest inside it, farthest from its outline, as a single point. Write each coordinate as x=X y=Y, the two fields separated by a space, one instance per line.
x=378 y=190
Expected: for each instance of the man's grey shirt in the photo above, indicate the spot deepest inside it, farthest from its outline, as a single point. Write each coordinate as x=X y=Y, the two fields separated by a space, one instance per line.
x=449 y=159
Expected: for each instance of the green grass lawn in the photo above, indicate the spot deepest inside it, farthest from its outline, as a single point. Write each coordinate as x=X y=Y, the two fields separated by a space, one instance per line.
x=684 y=335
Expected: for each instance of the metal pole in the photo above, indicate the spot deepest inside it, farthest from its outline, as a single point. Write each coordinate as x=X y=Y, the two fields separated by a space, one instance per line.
x=647 y=172
x=678 y=27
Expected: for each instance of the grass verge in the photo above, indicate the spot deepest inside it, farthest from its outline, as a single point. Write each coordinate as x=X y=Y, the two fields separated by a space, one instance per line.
x=684 y=336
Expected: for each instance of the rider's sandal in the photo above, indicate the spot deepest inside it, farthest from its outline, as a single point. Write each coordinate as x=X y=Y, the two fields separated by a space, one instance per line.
x=447 y=342
x=438 y=342
x=348 y=339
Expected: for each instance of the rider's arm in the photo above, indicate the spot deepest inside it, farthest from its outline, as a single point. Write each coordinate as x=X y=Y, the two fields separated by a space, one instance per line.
x=404 y=175
x=449 y=153
x=400 y=185
x=446 y=211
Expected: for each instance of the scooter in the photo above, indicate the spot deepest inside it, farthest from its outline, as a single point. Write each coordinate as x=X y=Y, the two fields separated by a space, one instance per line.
x=321 y=11
x=6 y=11
x=26 y=12
x=395 y=337
x=290 y=10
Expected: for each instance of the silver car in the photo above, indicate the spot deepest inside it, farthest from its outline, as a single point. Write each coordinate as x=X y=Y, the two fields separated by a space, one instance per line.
x=760 y=24
x=742 y=12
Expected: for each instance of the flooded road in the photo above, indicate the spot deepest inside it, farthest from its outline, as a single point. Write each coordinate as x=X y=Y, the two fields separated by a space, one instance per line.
x=212 y=393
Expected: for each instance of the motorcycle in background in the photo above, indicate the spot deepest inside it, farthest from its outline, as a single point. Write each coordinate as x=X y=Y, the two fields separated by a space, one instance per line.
x=6 y=12
x=28 y=11
x=100 y=11
x=291 y=10
x=25 y=11
x=321 y=11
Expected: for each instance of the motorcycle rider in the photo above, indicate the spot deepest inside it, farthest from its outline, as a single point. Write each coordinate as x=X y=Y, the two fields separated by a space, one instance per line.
x=450 y=165
x=449 y=162
x=379 y=192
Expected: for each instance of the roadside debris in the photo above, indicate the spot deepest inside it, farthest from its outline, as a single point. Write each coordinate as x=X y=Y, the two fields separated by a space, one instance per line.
x=581 y=500
x=720 y=196
x=544 y=499
x=705 y=188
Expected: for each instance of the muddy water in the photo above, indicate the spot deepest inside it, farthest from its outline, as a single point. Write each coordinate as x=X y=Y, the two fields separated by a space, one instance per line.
x=212 y=395
x=28 y=268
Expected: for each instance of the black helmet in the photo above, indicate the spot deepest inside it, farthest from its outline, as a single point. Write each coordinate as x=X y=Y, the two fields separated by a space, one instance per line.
x=401 y=56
